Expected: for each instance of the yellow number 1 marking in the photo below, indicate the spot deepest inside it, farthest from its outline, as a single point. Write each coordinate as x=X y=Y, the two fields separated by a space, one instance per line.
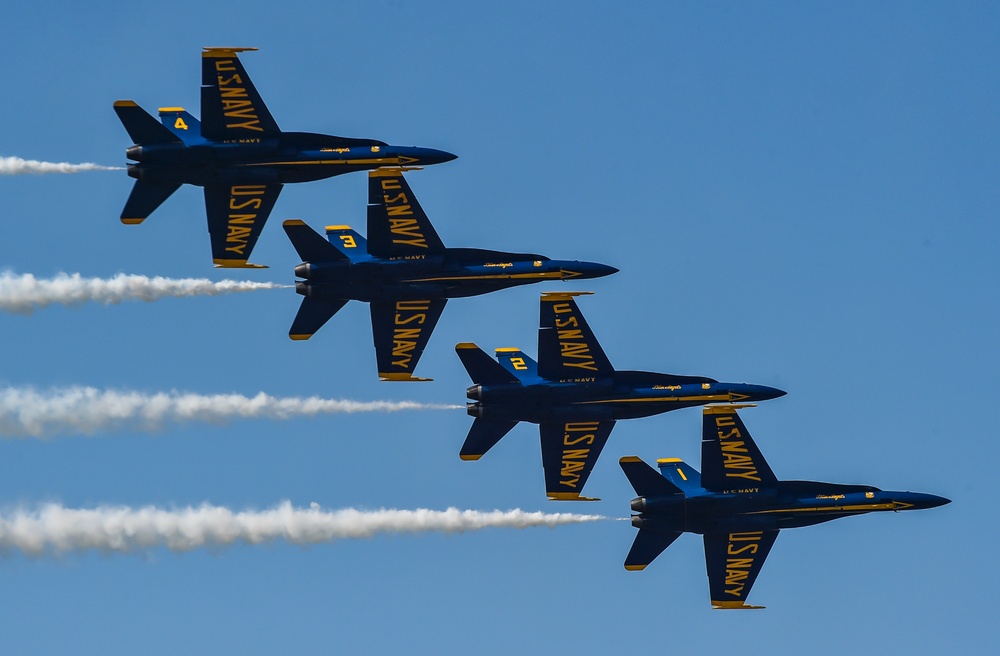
x=180 y=124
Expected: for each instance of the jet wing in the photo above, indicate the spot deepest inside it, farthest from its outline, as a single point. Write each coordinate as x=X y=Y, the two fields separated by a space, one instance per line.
x=397 y=225
x=401 y=330
x=567 y=347
x=570 y=450
x=733 y=561
x=236 y=215
x=730 y=460
x=231 y=108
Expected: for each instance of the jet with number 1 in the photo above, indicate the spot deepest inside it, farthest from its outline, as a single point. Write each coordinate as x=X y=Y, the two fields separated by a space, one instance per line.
x=239 y=155
x=738 y=505
x=404 y=272
x=574 y=395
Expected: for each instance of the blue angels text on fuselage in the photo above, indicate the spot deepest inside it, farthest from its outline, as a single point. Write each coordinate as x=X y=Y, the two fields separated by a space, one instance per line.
x=738 y=505
x=574 y=395
x=404 y=272
x=239 y=155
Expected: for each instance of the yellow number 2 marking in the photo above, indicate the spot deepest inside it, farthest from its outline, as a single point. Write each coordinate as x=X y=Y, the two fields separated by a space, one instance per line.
x=348 y=241
x=518 y=364
x=180 y=124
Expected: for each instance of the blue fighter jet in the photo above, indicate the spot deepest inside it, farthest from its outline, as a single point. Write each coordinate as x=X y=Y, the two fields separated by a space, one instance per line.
x=738 y=505
x=574 y=395
x=239 y=155
x=405 y=273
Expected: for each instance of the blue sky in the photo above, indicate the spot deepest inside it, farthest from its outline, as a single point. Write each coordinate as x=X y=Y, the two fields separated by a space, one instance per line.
x=797 y=195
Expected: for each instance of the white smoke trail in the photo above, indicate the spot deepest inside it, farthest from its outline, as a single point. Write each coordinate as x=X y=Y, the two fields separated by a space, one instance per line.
x=26 y=412
x=56 y=529
x=23 y=294
x=18 y=166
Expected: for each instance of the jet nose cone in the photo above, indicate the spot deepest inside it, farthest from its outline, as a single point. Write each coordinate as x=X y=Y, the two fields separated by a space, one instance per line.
x=933 y=501
x=589 y=270
x=765 y=393
x=424 y=156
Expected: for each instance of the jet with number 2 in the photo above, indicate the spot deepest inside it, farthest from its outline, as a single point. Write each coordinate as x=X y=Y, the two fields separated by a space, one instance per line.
x=239 y=155
x=574 y=395
x=404 y=272
x=738 y=505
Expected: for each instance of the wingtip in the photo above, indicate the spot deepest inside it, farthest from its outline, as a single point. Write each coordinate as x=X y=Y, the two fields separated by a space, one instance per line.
x=128 y=221
x=299 y=337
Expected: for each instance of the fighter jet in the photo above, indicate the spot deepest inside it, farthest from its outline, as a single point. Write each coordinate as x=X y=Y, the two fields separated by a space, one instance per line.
x=405 y=273
x=574 y=395
x=239 y=155
x=738 y=505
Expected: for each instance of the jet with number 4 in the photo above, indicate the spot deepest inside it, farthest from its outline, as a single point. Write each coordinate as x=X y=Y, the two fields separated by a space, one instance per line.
x=239 y=155
x=738 y=505
x=404 y=272
x=574 y=395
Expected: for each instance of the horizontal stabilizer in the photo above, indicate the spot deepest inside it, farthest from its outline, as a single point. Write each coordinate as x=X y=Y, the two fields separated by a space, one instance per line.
x=145 y=197
x=483 y=435
x=483 y=369
x=646 y=481
x=312 y=315
x=647 y=546
x=309 y=244
x=141 y=127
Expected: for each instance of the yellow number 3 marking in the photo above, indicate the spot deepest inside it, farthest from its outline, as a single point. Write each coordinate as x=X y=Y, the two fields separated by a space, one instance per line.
x=180 y=124
x=348 y=241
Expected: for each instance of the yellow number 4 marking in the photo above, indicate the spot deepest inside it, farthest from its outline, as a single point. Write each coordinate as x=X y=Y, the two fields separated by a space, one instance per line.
x=348 y=241
x=180 y=124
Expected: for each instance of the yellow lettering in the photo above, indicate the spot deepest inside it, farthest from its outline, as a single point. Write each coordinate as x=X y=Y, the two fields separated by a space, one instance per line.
x=348 y=241
x=180 y=124
x=518 y=364
x=562 y=323
x=390 y=183
x=256 y=202
x=228 y=67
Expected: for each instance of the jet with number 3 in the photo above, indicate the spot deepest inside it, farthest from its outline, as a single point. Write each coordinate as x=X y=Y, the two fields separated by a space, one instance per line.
x=404 y=272
x=574 y=395
x=239 y=155
x=738 y=505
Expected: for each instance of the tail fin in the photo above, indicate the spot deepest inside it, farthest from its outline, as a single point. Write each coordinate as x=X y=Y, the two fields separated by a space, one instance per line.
x=313 y=313
x=350 y=244
x=483 y=370
x=647 y=546
x=309 y=244
x=145 y=197
x=182 y=124
x=680 y=474
x=141 y=127
x=516 y=362
x=645 y=480
x=482 y=437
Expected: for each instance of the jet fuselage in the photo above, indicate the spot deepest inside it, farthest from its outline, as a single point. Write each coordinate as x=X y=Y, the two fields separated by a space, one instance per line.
x=456 y=273
x=624 y=395
x=291 y=157
x=792 y=505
